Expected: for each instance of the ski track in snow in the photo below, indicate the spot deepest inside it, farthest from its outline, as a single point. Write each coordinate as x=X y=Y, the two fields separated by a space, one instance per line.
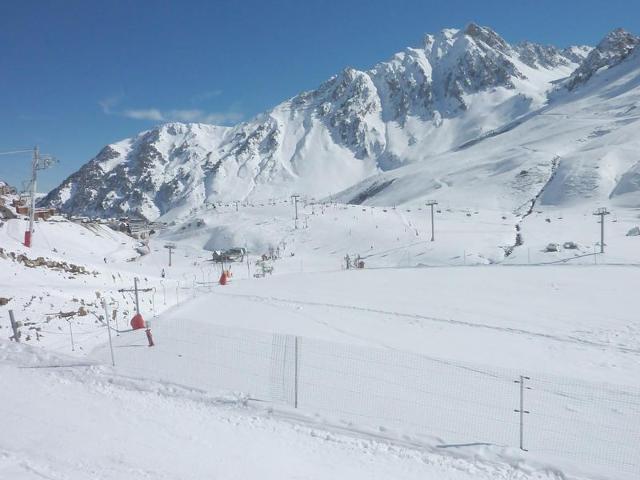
x=515 y=331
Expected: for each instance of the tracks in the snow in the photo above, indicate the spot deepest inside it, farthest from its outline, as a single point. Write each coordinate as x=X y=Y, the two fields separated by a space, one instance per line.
x=450 y=321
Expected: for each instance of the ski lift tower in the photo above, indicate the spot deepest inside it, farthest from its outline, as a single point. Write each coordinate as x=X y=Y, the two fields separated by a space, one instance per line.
x=602 y=211
x=432 y=203
x=295 y=198
x=170 y=247
x=39 y=162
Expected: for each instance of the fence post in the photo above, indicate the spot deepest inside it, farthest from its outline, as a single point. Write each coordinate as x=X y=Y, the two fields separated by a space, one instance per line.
x=14 y=327
x=295 y=372
x=73 y=347
x=521 y=410
x=106 y=316
x=114 y=316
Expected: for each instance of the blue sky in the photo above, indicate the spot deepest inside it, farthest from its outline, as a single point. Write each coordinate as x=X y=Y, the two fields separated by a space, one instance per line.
x=77 y=75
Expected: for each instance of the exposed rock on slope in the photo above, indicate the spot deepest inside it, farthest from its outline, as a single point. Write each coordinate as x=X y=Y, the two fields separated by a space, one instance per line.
x=613 y=48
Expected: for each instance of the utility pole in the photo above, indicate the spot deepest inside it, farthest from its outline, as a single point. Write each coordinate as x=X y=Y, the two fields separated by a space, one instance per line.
x=431 y=204
x=39 y=162
x=295 y=198
x=170 y=247
x=602 y=211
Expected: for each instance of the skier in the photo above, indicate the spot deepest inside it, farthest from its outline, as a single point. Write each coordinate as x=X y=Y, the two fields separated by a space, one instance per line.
x=162 y=274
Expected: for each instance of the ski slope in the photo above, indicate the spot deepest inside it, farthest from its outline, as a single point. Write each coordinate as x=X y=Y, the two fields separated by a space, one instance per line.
x=458 y=299
x=100 y=425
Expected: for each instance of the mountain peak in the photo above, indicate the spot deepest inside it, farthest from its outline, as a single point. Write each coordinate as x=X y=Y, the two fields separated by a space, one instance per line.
x=486 y=35
x=610 y=51
x=618 y=36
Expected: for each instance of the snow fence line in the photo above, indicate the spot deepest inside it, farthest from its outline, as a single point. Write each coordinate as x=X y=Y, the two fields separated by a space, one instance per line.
x=580 y=426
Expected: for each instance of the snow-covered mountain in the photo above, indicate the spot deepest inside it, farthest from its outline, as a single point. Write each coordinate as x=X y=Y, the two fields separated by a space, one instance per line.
x=580 y=148
x=423 y=113
x=613 y=48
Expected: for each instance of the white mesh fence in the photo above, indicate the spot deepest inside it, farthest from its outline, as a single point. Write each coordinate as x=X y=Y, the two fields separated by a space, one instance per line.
x=588 y=425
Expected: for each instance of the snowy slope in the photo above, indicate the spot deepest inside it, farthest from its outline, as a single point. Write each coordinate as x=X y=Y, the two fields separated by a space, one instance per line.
x=57 y=285
x=568 y=158
x=98 y=424
x=455 y=87
x=575 y=322
x=145 y=174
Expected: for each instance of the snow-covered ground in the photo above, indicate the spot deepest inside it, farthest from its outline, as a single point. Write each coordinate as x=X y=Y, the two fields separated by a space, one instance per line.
x=62 y=421
x=570 y=326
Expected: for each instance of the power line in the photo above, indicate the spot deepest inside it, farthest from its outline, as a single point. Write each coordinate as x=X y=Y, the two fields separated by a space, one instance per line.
x=16 y=151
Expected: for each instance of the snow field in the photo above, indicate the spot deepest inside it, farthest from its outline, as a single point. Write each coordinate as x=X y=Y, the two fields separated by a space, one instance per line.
x=569 y=327
x=582 y=426
x=112 y=427
x=400 y=236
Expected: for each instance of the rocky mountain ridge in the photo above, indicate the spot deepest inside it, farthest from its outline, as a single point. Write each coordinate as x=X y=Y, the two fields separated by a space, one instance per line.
x=423 y=102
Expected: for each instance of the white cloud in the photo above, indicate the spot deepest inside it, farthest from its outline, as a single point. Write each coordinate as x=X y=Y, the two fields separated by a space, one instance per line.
x=177 y=115
x=144 y=114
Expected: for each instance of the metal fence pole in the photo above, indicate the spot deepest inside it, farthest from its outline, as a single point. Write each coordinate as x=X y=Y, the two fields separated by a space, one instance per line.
x=14 y=327
x=135 y=287
x=295 y=373
x=521 y=410
x=73 y=347
x=106 y=315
